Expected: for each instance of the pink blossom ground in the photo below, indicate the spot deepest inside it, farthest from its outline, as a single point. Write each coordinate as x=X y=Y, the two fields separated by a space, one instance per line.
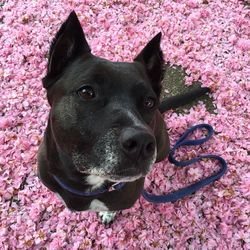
x=212 y=41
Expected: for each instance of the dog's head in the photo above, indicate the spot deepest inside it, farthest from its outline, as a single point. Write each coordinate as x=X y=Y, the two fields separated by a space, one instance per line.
x=102 y=112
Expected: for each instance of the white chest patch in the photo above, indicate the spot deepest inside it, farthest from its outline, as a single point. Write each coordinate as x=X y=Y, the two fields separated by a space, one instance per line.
x=95 y=181
x=98 y=206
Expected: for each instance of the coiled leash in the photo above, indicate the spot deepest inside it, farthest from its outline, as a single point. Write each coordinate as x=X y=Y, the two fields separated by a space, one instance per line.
x=183 y=141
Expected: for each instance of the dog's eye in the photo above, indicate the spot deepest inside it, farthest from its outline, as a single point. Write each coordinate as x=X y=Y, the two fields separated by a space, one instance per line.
x=149 y=102
x=86 y=92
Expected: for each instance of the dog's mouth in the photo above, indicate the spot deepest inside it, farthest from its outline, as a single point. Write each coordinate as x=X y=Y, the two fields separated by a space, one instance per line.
x=128 y=175
x=123 y=178
x=125 y=175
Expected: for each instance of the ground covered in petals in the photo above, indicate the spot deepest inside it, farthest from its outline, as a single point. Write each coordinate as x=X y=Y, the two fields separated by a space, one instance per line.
x=211 y=40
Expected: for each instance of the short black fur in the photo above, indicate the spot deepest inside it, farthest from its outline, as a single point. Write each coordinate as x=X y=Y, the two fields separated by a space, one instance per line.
x=111 y=138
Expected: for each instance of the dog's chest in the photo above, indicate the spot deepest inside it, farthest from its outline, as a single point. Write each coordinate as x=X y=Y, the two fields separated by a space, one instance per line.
x=98 y=206
x=96 y=182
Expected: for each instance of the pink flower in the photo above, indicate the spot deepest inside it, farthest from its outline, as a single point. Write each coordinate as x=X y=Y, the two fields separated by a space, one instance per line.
x=244 y=44
x=192 y=3
x=245 y=186
x=55 y=244
x=4 y=122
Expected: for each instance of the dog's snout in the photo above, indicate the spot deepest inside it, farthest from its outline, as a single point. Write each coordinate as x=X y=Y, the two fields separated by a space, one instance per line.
x=136 y=142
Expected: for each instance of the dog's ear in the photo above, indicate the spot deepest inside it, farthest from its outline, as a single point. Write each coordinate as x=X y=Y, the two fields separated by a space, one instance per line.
x=152 y=59
x=68 y=43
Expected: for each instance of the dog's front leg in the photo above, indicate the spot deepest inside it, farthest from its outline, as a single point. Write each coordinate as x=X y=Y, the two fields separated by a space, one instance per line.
x=103 y=211
x=107 y=217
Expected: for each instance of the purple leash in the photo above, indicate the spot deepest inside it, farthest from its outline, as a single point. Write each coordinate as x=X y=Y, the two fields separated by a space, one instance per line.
x=183 y=141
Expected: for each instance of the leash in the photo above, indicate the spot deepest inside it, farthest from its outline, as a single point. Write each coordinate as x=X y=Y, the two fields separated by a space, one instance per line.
x=176 y=195
x=183 y=141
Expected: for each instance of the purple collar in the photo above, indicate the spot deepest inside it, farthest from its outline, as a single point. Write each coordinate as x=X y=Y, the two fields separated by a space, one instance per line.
x=62 y=184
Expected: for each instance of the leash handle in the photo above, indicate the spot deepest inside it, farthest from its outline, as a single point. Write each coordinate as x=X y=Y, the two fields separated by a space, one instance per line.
x=176 y=195
x=183 y=142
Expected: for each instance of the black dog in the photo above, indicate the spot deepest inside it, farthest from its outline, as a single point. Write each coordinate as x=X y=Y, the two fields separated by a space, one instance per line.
x=105 y=124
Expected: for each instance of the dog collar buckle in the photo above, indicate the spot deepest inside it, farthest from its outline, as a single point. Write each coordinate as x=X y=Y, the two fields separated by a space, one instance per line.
x=117 y=186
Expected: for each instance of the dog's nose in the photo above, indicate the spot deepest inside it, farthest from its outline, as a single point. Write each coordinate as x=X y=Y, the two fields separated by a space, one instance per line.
x=137 y=142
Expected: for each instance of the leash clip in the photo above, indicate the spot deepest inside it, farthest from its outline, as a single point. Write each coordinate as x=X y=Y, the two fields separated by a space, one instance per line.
x=116 y=186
